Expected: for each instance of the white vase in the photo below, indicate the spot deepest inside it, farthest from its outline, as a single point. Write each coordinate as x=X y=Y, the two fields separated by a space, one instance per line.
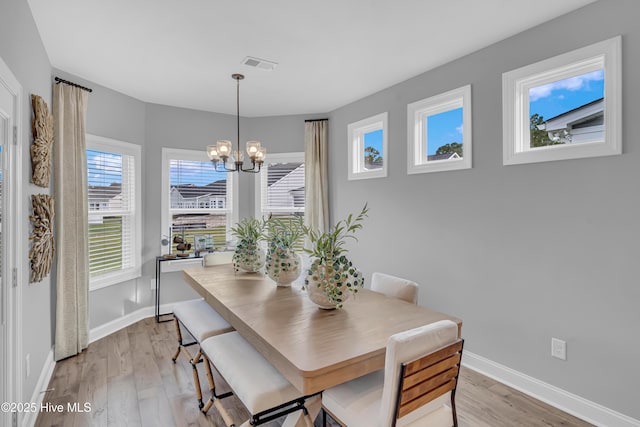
x=248 y=257
x=283 y=266
x=329 y=287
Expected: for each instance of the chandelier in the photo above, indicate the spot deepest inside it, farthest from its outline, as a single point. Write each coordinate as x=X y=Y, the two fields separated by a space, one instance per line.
x=221 y=152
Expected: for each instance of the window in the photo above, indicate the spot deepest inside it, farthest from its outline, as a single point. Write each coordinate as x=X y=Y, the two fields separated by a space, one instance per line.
x=280 y=186
x=368 y=148
x=113 y=192
x=565 y=107
x=439 y=132
x=198 y=203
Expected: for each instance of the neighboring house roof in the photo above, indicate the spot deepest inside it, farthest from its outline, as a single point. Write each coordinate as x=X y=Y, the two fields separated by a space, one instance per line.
x=286 y=187
x=279 y=170
x=189 y=191
x=590 y=114
x=104 y=192
x=445 y=156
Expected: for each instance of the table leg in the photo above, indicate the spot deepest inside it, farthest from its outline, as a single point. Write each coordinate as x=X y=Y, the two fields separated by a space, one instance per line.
x=296 y=419
x=157 y=290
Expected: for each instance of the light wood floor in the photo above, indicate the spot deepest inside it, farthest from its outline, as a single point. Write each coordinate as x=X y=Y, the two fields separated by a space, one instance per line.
x=129 y=380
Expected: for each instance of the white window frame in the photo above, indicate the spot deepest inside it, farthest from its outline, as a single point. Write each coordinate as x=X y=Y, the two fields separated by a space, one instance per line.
x=169 y=154
x=100 y=143
x=516 y=84
x=355 y=138
x=261 y=181
x=417 y=144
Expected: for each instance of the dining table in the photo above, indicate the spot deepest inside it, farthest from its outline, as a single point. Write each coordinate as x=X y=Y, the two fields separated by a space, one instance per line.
x=313 y=348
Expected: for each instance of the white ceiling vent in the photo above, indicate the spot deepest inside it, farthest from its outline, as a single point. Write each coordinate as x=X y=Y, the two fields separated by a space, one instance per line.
x=262 y=64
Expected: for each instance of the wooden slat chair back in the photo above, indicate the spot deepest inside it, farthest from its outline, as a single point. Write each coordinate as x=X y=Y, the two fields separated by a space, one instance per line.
x=419 y=378
x=428 y=377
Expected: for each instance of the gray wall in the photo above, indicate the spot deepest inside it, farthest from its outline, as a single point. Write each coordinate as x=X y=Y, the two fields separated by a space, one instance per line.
x=520 y=253
x=28 y=61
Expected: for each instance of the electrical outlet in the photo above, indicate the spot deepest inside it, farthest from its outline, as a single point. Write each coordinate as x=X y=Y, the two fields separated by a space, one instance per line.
x=558 y=349
x=27 y=365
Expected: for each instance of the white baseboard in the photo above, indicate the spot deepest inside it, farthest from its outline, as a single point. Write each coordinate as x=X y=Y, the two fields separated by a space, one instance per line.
x=29 y=418
x=577 y=406
x=126 y=320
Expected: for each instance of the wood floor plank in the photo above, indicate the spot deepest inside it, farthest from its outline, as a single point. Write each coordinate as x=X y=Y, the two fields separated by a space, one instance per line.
x=122 y=402
x=155 y=409
x=145 y=370
x=130 y=380
x=119 y=357
x=93 y=390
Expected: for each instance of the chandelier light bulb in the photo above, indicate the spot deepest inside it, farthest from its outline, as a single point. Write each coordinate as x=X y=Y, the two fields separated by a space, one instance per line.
x=252 y=148
x=212 y=152
x=224 y=148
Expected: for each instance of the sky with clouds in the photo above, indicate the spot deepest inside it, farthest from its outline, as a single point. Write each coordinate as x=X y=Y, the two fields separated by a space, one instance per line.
x=558 y=97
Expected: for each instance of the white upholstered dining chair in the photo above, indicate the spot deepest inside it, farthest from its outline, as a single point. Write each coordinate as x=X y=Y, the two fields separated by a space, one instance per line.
x=396 y=287
x=418 y=382
x=260 y=387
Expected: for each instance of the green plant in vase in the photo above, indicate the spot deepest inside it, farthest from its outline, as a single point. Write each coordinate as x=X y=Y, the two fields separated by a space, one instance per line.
x=283 y=262
x=248 y=255
x=332 y=277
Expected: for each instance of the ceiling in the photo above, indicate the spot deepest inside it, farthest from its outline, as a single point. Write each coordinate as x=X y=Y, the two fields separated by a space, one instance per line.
x=329 y=53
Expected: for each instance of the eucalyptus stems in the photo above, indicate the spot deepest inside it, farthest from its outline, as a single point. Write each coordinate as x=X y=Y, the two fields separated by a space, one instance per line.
x=331 y=272
x=283 y=263
x=248 y=255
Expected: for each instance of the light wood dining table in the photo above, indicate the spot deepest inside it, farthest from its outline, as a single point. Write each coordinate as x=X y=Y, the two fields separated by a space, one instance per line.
x=313 y=348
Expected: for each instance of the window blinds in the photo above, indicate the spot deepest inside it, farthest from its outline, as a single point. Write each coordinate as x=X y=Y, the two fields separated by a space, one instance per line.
x=111 y=198
x=200 y=204
x=283 y=189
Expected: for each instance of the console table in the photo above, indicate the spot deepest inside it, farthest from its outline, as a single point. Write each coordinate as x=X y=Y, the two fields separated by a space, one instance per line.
x=180 y=263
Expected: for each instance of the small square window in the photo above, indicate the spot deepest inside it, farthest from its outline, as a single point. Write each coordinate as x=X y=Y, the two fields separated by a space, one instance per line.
x=368 y=148
x=565 y=107
x=439 y=132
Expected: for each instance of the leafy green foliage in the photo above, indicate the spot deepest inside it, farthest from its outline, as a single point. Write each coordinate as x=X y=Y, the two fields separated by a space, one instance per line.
x=330 y=245
x=284 y=233
x=454 y=147
x=539 y=137
x=248 y=255
x=249 y=230
x=372 y=156
x=331 y=270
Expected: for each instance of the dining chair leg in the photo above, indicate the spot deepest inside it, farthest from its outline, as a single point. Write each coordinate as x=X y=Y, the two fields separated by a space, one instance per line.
x=453 y=408
x=215 y=399
x=308 y=420
x=196 y=385
x=212 y=385
x=197 y=358
x=175 y=356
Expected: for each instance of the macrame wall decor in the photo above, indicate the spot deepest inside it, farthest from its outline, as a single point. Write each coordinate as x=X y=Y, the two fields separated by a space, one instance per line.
x=41 y=253
x=42 y=142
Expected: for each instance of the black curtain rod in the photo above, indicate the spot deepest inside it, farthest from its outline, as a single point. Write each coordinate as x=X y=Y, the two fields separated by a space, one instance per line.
x=316 y=120
x=59 y=80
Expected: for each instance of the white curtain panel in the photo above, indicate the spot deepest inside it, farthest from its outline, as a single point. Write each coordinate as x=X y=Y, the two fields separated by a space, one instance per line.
x=70 y=175
x=316 y=207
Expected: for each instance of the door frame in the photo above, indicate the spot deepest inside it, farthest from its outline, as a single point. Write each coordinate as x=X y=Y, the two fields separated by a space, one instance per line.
x=13 y=366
